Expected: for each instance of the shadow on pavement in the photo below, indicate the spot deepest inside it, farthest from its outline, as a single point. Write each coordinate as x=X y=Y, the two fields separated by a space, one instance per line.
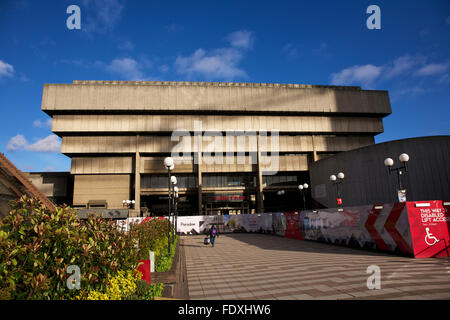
x=274 y=242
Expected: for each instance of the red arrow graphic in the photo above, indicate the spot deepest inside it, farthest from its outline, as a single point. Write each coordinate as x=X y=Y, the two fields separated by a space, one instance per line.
x=390 y=227
x=371 y=219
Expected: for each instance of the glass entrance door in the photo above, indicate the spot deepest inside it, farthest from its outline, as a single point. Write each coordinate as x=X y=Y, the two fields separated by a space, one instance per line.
x=222 y=207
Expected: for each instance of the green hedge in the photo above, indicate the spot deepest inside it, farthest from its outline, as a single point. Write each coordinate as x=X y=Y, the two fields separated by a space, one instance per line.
x=37 y=245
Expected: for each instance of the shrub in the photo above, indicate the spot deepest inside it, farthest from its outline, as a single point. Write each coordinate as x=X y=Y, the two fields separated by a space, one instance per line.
x=164 y=263
x=145 y=291
x=37 y=245
x=151 y=235
x=122 y=286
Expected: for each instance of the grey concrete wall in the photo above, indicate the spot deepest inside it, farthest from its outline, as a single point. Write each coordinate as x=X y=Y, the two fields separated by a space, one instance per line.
x=218 y=96
x=367 y=180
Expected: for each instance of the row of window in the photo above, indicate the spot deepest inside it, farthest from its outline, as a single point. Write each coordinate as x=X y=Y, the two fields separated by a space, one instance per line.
x=216 y=180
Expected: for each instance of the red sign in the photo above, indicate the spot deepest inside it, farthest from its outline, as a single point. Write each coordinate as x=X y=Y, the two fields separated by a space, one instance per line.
x=144 y=268
x=292 y=225
x=339 y=201
x=430 y=224
x=227 y=198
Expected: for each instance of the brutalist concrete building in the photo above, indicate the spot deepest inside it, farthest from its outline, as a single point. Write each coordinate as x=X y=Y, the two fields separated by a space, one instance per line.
x=235 y=145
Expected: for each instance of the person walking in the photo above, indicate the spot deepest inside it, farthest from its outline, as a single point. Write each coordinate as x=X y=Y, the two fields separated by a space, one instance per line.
x=212 y=235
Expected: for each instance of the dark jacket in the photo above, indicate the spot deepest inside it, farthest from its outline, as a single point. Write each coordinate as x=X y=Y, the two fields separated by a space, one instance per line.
x=211 y=234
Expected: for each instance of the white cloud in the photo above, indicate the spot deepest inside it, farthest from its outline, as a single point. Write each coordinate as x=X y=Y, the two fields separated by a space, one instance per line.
x=218 y=64
x=17 y=143
x=403 y=65
x=101 y=15
x=128 y=68
x=241 y=39
x=51 y=143
x=42 y=124
x=6 y=70
x=221 y=63
x=364 y=75
x=432 y=69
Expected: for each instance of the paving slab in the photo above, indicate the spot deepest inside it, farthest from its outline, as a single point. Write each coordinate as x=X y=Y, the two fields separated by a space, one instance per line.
x=258 y=266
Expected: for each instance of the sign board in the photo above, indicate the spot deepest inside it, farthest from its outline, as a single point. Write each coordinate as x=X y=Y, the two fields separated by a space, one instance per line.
x=401 y=195
x=429 y=222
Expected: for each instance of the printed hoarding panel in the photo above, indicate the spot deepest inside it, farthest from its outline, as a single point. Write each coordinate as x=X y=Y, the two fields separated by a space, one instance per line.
x=382 y=227
x=279 y=223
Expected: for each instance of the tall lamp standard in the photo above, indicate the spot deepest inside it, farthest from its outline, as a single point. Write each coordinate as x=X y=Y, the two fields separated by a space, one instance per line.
x=337 y=181
x=168 y=163
x=173 y=181
x=302 y=188
x=175 y=191
x=280 y=192
x=388 y=162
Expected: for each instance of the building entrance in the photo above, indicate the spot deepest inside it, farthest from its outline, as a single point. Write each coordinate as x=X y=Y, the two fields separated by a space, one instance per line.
x=220 y=204
x=221 y=208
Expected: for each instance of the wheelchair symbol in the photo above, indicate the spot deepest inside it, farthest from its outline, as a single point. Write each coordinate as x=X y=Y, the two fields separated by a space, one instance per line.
x=429 y=238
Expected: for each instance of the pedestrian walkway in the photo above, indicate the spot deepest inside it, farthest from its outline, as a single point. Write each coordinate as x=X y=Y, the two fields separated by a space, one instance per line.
x=258 y=266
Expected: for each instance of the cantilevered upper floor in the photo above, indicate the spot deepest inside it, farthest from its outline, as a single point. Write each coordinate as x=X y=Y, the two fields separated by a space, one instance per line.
x=165 y=97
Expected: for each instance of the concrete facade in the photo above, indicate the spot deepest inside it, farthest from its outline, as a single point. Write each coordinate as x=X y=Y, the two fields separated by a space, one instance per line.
x=367 y=179
x=118 y=132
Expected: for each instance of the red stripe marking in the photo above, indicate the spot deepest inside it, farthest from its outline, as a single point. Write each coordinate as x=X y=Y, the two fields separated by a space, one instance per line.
x=390 y=227
x=371 y=219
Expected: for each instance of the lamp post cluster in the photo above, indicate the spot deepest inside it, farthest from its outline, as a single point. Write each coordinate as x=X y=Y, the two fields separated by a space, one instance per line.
x=128 y=203
x=388 y=162
x=303 y=188
x=173 y=199
x=337 y=181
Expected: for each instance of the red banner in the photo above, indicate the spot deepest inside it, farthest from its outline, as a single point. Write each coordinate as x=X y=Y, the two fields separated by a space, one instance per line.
x=292 y=225
x=430 y=224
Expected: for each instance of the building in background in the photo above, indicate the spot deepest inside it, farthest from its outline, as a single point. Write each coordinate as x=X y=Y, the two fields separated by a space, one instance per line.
x=56 y=186
x=367 y=180
x=15 y=184
x=117 y=134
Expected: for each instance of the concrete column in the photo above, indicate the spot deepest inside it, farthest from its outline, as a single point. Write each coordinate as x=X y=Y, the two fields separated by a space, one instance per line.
x=259 y=181
x=198 y=159
x=200 y=184
x=314 y=149
x=137 y=179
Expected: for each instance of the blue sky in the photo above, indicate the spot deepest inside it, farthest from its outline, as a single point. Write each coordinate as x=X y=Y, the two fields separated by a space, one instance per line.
x=307 y=42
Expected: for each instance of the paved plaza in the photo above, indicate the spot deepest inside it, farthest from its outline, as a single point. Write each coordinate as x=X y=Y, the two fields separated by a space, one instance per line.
x=257 y=266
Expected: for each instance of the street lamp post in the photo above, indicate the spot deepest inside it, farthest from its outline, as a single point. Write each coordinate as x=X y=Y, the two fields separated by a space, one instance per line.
x=128 y=203
x=388 y=162
x=303 y=188
x=337 y=180
x=175 y=189
x=168 y=163
x=173 y=181
x=280 y=192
